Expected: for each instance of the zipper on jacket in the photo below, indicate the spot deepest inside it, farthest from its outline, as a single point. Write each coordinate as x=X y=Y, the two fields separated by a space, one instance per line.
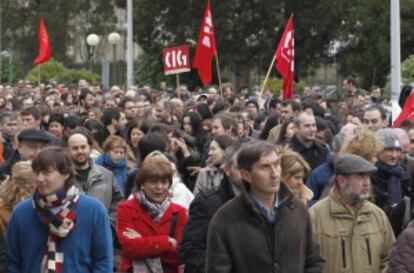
x=343 y=252
x=368 y=249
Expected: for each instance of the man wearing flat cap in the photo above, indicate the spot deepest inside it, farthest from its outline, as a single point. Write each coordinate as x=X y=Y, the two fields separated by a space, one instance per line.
x=28 y=145
x=354 y=234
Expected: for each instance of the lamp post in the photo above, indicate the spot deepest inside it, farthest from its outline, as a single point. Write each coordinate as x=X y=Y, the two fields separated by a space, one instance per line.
x=92 y=41
x=114 y=39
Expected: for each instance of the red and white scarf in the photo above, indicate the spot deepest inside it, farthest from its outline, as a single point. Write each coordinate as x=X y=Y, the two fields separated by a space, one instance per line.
x=57 y=212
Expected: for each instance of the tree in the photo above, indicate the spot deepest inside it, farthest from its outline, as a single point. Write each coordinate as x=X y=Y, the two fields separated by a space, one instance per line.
x=66 y=21
x=247 y=32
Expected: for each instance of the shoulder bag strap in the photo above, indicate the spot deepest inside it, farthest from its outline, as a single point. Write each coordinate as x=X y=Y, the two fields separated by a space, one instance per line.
x=173 y=224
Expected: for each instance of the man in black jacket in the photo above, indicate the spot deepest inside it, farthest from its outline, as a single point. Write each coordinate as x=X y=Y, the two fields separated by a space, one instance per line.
x=114 y=122
x=304 y=142
x=265 y=228
x=204 y=206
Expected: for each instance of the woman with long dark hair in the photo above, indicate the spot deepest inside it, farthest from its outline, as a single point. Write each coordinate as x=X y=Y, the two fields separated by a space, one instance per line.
x=271 y=122
x=286 y=133
x=191 y=125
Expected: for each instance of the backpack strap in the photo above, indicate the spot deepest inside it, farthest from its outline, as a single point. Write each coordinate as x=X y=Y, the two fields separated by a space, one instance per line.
x=173 y=224
x=407 y=211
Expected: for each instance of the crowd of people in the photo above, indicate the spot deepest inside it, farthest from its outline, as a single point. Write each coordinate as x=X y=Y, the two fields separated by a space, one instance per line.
x=210 y=180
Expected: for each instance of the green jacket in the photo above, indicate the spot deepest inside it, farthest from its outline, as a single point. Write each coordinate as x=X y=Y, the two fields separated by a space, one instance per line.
x=352 y=244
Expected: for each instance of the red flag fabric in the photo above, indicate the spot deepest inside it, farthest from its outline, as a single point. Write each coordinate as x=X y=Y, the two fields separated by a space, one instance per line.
x=206 y=47
x=407 y=112
x=45 y=51
x=285 y=57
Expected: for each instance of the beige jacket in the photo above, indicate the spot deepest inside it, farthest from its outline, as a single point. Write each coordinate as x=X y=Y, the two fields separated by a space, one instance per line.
x=360 y=244
x=274 y=134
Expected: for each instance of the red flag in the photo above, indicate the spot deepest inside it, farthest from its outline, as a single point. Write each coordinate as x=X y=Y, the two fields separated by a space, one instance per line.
x=206 y=47
x=407 y=113
x=45 y=52
x=285 y=57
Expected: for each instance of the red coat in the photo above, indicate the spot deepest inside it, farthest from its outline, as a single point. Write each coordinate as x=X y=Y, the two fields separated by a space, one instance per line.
x=154 y=240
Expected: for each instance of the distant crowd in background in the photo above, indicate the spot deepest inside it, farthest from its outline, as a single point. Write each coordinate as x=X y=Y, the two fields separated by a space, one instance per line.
x=208 y=180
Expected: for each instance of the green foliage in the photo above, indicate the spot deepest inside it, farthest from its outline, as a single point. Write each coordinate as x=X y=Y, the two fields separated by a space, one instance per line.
x=275 y=85
x=149 y=70
x=366 y=43
x=74 y=75
x=247 y=32
x=67 y=22
x=17 y=70
x=407 y=75
x=48 y=70
x=57 y=71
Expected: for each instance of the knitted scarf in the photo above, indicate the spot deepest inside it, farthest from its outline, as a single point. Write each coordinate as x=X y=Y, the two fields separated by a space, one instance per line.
x=119 y=169
x=394 y=175
x=155 y=211
x=60 y=223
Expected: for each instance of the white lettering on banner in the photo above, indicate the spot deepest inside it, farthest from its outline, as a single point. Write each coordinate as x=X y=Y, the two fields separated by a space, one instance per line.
x=209 y=22
x=206 y=41
x=207 y=30
x=176 y=60
x=167 y=59
x=288 y=49
x=179 y=58
x=174 y=63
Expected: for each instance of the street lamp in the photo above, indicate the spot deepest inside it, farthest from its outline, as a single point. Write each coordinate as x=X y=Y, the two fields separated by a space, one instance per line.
x=92 y=40
x=114 y=39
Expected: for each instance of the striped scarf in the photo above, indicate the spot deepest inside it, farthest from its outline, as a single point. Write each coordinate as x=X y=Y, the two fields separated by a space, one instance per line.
x=60 y=223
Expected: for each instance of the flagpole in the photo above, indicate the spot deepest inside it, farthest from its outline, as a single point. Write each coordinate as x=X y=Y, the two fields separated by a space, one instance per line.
x=178 y=85
x=219 y=74
x=267 y=75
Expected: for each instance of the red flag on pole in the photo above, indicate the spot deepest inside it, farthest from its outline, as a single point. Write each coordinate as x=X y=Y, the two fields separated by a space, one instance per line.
x=45 y=52
x=206 y=47
x=285 y=58
x=407 y=112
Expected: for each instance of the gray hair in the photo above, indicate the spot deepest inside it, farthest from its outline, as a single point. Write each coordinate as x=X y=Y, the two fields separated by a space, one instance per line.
x=338 y=141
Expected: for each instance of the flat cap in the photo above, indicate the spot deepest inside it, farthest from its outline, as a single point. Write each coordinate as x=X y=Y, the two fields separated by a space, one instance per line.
x=35 y=135
x=353 y=164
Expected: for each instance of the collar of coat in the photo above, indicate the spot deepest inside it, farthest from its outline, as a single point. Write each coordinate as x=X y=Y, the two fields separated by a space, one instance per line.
x=338 y=210
x=300 y=146
x=285 y=195
x=138 y=213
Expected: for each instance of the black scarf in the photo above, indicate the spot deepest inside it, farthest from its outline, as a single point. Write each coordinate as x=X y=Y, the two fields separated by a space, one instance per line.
x=394 y=175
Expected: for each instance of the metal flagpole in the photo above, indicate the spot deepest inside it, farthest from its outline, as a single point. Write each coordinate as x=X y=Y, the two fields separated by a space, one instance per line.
x=395 y=50
x=130 y=45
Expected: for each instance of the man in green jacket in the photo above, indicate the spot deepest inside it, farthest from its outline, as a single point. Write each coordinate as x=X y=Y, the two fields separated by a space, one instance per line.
x=354 y=234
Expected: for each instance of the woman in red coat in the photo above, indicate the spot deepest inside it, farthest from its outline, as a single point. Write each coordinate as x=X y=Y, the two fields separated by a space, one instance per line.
x=149 y=226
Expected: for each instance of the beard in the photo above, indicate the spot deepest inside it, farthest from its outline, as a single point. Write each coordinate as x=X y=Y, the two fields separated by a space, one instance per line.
x=79 y=163
x=355 y=198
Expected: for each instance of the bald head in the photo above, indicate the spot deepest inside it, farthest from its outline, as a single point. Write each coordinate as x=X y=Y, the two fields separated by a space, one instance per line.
x=79 y=147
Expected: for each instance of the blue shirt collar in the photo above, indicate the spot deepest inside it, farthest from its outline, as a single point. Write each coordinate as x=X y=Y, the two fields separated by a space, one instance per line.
x=270 y=217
